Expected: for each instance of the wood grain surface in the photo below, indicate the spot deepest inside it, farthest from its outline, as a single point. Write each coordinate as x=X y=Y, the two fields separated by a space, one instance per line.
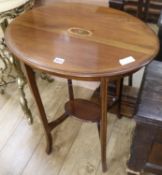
x=41 y=35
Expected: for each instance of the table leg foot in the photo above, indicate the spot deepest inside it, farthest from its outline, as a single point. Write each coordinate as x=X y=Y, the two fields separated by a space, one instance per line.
x=49 y=143
x=104 y=167
x=51 y=126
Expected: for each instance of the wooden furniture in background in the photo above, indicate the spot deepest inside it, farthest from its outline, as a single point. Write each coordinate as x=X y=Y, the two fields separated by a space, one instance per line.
x=82 y=43
x=147 y=10
x=159 y=55
x=147 y=141
x=127 y=102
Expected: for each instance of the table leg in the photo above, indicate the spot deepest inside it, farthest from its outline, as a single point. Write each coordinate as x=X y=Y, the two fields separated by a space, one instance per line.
x=119 y=95
x=30 y=74
x=70 y=89
x=103 y=122
x=130 y=80
x=48 y=126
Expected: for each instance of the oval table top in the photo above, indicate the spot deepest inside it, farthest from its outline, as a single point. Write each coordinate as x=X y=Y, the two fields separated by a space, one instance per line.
x=81 y=41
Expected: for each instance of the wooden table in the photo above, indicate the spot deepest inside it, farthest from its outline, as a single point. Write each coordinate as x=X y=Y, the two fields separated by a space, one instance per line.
x=82 y=42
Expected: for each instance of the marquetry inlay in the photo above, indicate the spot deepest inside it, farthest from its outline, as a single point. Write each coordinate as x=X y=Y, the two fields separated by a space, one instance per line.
x=79 y=31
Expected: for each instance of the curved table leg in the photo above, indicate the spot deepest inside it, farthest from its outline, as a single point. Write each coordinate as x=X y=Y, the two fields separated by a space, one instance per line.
x=103 y=122
x=30 y=74
x=33 y=86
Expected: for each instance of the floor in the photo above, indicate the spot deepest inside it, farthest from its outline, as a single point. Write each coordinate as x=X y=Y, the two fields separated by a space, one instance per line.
x=76 y=149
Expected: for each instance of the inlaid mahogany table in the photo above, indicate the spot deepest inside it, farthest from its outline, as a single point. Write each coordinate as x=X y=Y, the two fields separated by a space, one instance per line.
x=82 y=42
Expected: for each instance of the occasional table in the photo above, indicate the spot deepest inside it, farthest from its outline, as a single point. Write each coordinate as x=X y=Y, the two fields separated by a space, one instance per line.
x=82 y=42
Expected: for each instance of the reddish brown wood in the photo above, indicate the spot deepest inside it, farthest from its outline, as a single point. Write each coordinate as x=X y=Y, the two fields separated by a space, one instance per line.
x=70 y=89
x=58 y=121
x=119 y=95
x=46 y=125
x=128 y=100
x=34 y=89
x=86 y=56
x=83 y=109
x=103 y=121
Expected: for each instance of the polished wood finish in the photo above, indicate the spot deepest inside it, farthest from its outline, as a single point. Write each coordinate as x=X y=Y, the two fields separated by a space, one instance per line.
x=147 y=140
x=103 y=121
x=70 y=88
x=105 y=44
x=118 y=94
x=30 y=74
x=83 y=109
x=90 y=51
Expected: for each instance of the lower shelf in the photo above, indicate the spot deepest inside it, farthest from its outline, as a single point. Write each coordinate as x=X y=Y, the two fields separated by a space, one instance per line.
x=83 y=109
